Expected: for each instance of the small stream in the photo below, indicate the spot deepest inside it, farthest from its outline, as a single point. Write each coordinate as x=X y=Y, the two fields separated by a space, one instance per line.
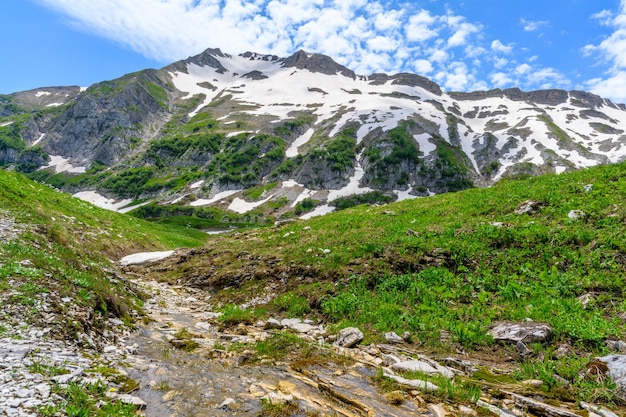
x=212 y=381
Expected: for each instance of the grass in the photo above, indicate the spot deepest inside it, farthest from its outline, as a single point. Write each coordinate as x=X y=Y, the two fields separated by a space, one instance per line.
x=456 y=262
x=64 y=249
x=271 y=408
x=86 y=400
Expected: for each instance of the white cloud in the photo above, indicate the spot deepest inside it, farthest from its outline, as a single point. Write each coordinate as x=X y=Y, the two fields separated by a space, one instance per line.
x=367 y=36
x=547 y=78
x=423 y=66
x=381 y=43
x=473 y=51
x=613 y=87
x=613 y=51
x=460 y=36
x=498 y=46
x=532 y=26
x=439 y=56
x=500 y=63
x=523 y=69
x=501 y=79
x=604 y=17
x=418 y=28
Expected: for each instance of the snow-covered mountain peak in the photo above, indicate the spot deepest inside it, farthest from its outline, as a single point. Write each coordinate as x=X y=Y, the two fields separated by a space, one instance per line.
x=252 y=119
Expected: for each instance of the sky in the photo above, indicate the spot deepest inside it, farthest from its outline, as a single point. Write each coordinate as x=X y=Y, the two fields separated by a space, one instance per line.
x=463 y=45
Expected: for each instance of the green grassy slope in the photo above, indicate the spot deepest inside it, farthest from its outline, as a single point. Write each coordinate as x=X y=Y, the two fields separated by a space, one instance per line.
x=63 y=247
x=448 y=265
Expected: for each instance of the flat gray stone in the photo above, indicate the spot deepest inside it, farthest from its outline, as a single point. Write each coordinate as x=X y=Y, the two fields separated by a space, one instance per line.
x=526 y=332
x=417 y=365
x=392 y=337
x=272 y=324
x=349 y=337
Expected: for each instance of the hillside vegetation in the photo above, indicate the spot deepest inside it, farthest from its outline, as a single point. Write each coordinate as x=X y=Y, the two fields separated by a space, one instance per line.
x=54 y=243
x=444 y=269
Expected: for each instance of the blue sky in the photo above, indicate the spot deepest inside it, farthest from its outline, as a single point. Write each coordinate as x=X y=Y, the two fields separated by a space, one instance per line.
x=462 y=45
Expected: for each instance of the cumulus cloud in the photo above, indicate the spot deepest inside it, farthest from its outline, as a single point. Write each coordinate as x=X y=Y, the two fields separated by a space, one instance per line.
x=613 y=51
x=498 y=46
x=501 y=79
x=423 y=66
x=367 y=36
x=532 y=26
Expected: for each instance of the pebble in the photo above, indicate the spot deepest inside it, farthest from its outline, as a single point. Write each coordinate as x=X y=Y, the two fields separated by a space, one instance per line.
x=27 y=349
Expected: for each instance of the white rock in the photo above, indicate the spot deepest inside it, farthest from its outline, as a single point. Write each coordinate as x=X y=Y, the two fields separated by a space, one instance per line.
x=526 y=332
x=226 y=403
x=392 y=337
x=349 y=337
x=132 y=400
x=417 y=365
x=576 y=214
x=415 y=383
x=598 y=410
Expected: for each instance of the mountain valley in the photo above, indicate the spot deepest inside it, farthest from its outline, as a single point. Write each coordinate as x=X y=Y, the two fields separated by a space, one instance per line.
x=331 y=289
x=263 y=138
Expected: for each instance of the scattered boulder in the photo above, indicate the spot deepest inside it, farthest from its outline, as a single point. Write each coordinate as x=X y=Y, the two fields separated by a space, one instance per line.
x=272 y=324
x=528 y=207
x=616 y=366
x=526 y=332
x=225 y=405
x=562 y=350
x=389 y=360
x=588 y=187
x=616 y=345
x=349 y=337
x=392 y=337
x=522 y=349
x=585 y=299
x=428 y=367
x=296 y=325
x=597 y=410
x=576 y=214
x=132 y=400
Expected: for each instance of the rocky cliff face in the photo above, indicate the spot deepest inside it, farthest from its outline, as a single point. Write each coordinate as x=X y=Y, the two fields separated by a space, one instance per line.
x=218 y=124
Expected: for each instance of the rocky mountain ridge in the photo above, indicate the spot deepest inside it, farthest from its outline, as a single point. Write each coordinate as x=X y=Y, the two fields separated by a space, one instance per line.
x=263 y=133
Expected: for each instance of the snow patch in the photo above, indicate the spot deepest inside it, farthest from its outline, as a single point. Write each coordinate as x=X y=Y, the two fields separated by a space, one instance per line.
x=425 y=146
x=179 y=199
x=291 y=184
x=353 y=186
x=143 y=257
x=241 y=206
x=39 y=139
x=404 y=195
x=319 y=211
x=293 y=149
x=231 y=134
x=82 y=89
x=303 y=195
x=42 y=93
x=61 y=164
x=133 y=207
x=216 y=197
x=10 y=122
x=196 y=184
x=106 y=203
x=54 y=105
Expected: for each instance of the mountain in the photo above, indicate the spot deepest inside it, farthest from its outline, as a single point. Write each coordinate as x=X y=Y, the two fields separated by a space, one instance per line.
x=261 y=135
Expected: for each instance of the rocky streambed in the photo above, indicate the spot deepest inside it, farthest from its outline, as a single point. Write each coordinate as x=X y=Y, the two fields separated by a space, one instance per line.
x=188 y=364
x=182 y=360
